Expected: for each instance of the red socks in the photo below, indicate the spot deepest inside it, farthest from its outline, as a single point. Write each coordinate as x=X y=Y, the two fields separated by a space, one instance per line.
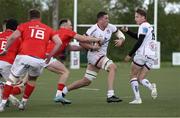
x=61 y=86
x=28 y=91
x=7 y=91
x=16 y=90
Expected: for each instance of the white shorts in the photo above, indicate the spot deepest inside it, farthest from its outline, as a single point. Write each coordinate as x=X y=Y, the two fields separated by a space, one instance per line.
x=51 y=61
x=5 y=68
x=25 y=63
x=93 y=58
x=143 y=60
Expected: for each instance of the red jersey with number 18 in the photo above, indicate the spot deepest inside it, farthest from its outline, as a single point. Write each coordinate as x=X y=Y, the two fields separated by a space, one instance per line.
x=35 y=36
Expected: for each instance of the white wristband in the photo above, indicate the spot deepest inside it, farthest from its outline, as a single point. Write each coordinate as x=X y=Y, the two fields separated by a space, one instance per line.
x=120 y=35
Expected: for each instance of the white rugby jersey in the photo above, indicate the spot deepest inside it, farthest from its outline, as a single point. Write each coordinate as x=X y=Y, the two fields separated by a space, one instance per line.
x=148 y=46
x=95 y=31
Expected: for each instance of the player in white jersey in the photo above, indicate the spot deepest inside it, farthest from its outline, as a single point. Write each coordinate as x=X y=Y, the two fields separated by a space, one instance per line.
x=97 y=59
x=143 y=60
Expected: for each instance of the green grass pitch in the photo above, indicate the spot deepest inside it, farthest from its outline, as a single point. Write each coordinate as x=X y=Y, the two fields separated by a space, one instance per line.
x=92 y=103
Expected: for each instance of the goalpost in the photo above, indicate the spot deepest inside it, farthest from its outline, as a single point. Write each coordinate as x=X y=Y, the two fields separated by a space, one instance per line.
x=75 y=55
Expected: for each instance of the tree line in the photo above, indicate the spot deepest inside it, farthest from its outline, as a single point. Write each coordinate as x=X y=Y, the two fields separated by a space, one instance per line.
x=120 y=12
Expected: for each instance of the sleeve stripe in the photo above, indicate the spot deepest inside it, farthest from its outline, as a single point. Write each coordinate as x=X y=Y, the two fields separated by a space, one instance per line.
x=93 y=31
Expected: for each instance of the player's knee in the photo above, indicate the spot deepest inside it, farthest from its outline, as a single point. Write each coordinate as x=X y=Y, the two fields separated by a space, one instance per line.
x=90 y=75
x=86 y=82
x=106 y=63
x=133 y=75
x=66 y=72
x=141 y=76
x=112 y=67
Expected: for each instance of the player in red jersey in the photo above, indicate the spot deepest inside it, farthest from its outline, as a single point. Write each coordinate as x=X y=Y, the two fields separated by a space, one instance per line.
x=7 y=60
x=35 y=36
x=66 y=34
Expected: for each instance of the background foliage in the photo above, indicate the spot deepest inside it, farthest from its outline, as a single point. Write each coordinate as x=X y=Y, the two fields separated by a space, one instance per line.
x=121 y=12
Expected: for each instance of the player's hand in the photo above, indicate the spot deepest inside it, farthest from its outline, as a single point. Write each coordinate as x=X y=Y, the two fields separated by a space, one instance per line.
x=124 y=29
x=96 y=46
x=127 y=58
x=100 y=42
x=3 y=52
x=118 y=42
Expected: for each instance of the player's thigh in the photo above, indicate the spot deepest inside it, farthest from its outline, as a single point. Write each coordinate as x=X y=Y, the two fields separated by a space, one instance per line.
x=149 y=62
x=35 y=66
x=105 y=63
x=146 y=68
x=5 y=70
x=35 y=71
x=135 y=70
x=57 y=67
x=19 y=67
x=137 y=64
x=92 y=68
x=94 y=58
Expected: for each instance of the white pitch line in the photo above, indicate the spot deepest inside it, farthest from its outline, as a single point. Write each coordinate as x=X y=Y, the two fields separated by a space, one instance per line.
x=90 y=89
x=126 y=97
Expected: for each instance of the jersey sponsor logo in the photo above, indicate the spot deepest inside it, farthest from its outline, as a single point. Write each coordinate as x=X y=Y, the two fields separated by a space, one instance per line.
x=152 y=45
x=108 y=31
x=145 y=30
x=37 y=27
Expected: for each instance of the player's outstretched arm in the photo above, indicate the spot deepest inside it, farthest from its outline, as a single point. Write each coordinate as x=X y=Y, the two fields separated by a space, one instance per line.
x=83 y=46
x=94 y=47
x=130 y=33
x=83 y=38
x=75 y=48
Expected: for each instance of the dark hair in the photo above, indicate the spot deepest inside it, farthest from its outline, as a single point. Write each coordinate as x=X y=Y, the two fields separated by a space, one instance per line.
x=11 y=24
x=34 y=13
x=62 y=21
x=141 y=12
x=101 y=14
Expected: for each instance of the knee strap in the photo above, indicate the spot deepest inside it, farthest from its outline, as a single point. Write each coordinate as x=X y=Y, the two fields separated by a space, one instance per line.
x=90 y=75
x=106 y=62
